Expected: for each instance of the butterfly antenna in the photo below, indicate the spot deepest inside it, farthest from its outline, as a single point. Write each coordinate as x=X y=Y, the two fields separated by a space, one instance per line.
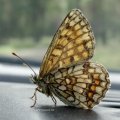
x=24 y=62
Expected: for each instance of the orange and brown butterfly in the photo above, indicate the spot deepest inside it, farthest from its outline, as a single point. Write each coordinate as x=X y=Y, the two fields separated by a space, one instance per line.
x=66 y=71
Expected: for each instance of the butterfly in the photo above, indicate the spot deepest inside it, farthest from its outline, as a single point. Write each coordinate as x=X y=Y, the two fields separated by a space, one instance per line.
x=66 y=71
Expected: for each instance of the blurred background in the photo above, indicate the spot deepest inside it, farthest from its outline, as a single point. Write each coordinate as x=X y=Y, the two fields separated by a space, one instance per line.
x=27 y=28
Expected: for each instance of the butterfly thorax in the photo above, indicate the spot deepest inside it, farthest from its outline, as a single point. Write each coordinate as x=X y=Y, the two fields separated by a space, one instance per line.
x=43 y=85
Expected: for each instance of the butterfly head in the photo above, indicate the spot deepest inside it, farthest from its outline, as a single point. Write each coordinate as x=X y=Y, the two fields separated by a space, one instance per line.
x=35 y=79
x=40 y=82
x=42 y=85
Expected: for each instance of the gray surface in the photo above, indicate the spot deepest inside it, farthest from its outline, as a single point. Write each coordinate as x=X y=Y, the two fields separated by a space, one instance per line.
x=15 y=105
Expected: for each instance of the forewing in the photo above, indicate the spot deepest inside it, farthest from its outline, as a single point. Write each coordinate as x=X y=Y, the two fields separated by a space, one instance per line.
x=80 y=85
x=72 y=43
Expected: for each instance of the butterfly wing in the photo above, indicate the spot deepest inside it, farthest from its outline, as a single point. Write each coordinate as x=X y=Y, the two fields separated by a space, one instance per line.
x=80 y=85
x=72 y=43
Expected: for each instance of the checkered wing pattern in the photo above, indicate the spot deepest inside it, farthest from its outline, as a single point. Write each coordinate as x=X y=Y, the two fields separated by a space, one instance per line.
x=66 y=67
x=73 y=43
x=80 y=85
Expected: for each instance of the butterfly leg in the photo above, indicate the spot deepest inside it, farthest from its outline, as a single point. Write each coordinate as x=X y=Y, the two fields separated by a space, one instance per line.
x=34 y=96
x=54 y=100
